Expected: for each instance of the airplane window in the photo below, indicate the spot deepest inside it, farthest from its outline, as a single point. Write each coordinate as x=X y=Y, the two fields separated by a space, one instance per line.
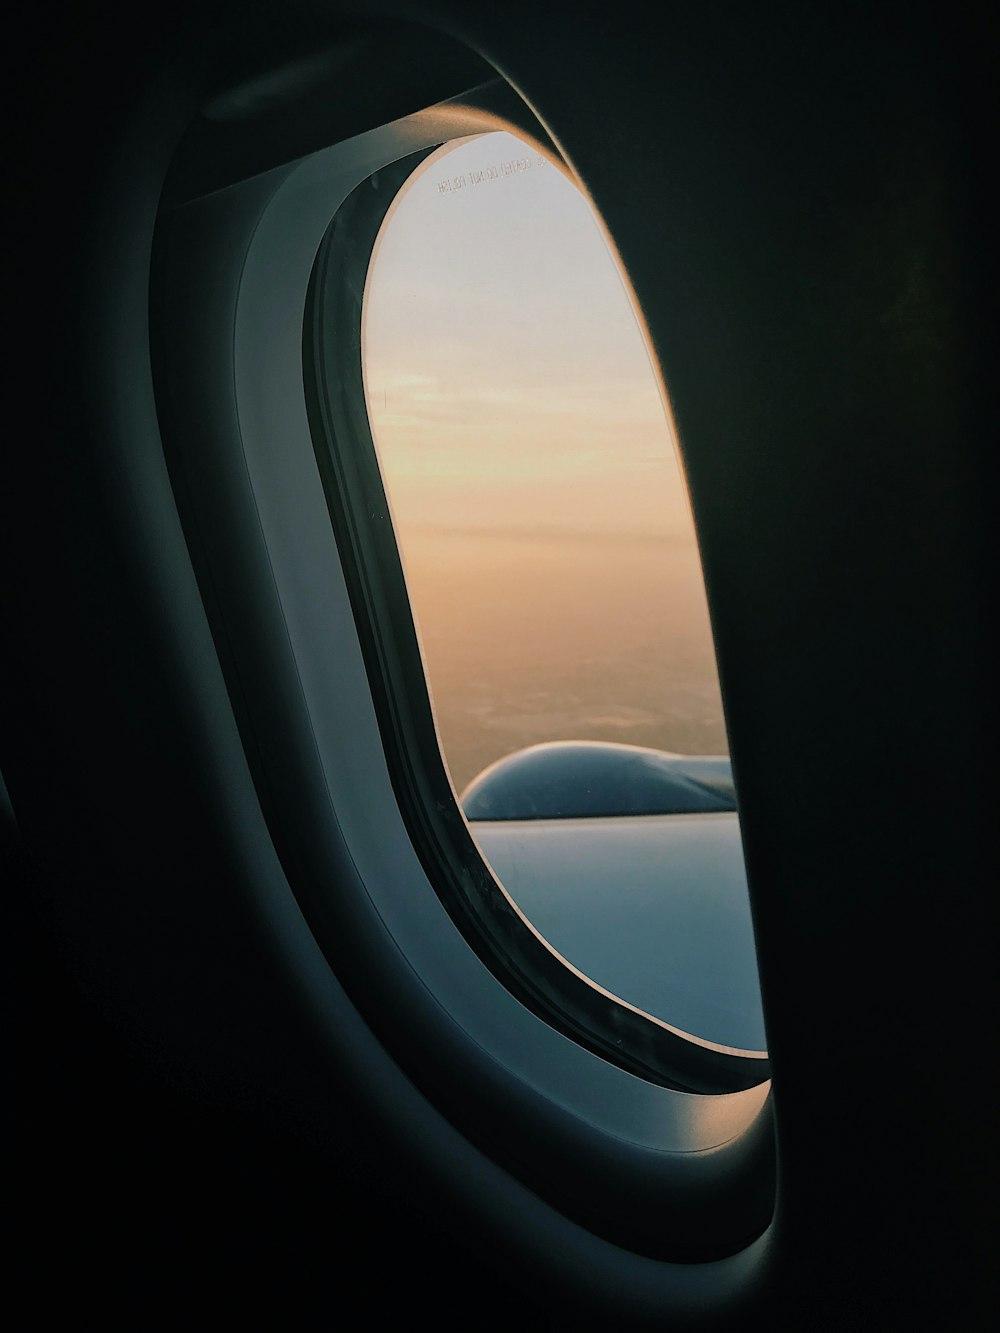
x=564 y=939
x=553 y=573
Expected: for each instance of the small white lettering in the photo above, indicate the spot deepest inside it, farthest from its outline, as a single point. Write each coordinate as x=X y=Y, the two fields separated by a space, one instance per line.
x=480 y=175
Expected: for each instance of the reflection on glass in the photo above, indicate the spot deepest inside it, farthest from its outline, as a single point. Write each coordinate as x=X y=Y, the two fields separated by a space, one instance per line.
x=551 y=563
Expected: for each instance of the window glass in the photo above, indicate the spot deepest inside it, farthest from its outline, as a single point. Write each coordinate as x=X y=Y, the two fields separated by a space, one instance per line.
x=554 y=577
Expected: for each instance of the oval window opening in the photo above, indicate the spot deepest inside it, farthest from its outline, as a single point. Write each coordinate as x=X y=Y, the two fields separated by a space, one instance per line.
x=554 y=578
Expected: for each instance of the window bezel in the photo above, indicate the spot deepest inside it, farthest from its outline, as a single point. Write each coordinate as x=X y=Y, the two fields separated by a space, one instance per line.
x=668 y=1173
x=493 y=925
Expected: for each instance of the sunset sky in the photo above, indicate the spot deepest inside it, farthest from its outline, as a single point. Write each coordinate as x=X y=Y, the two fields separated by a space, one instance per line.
x=530 y=467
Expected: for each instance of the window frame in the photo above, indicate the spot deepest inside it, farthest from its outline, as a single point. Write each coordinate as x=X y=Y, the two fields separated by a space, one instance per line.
x=491 y=922
x=671 y=1174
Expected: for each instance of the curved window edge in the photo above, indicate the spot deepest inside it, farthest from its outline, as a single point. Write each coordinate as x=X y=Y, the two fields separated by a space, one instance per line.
x=499 y=932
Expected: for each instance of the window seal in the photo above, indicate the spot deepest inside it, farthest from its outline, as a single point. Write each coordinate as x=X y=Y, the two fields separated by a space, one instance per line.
x=490 y=921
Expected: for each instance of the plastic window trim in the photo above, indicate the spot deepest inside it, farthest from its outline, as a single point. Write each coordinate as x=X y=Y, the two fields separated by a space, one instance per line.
x=668 y=1173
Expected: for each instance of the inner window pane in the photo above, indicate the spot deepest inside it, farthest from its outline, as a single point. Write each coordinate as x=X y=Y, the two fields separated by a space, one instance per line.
x=551 y=562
